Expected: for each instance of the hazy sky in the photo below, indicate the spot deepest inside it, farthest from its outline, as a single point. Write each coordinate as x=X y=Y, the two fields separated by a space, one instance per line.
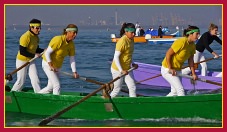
x=65 y=14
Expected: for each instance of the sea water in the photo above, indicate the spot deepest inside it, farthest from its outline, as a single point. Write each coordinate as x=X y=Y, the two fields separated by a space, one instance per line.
x=94 y=50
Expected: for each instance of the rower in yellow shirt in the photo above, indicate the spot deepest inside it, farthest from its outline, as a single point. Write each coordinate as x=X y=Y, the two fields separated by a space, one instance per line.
x=122 y=60
x=28 y=49
x=59 y=47
x=181 y=50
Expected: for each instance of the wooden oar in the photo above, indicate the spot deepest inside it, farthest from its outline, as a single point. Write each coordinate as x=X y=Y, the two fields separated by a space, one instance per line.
x=93 y=81
x=83 y=78
x=201 y=61
x=9 y=77
x=200 y=79
x=51 y=118
x=181 y=68
x=149 y=78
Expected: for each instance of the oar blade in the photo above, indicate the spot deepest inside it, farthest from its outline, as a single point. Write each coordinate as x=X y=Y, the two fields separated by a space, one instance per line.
x=45 y=121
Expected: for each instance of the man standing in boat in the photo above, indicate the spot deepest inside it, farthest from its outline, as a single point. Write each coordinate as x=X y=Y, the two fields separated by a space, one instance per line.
x=28 y=49
x=122 y=60
x=160 y=33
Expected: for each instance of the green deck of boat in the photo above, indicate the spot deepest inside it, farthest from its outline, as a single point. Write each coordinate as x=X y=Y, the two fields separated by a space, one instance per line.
x=94 y=108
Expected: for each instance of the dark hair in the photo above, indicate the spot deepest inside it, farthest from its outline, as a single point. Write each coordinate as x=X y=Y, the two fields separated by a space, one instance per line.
x=126 y=25
x=35 y=21
x=70 y=26
x=189 y=29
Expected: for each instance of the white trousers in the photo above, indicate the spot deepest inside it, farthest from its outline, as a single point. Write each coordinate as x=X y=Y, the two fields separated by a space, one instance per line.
x=22 y=74
x=53 y=84
x=198 y=57
x=174 y=81
x=129 y=80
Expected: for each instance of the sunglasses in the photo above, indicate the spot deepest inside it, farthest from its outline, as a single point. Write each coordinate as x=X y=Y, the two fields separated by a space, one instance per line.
x=37 y=28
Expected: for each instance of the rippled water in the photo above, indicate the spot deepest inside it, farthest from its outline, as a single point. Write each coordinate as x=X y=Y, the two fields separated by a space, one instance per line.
x=93 y=51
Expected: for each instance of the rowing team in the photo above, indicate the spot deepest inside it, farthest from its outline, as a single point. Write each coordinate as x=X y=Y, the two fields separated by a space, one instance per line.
x=62 y=45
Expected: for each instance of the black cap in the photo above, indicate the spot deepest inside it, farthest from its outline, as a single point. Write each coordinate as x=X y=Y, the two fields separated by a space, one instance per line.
x=35 y=21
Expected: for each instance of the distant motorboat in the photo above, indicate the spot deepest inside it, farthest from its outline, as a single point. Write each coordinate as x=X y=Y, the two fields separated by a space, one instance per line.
x=162 y=40
x=137 y=39
x=151 y=39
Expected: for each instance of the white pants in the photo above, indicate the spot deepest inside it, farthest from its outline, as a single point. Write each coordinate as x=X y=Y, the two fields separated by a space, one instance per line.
x=129 y=80
x=198 y=57
x=174 y=81
x=22 y=74
x=53 y=84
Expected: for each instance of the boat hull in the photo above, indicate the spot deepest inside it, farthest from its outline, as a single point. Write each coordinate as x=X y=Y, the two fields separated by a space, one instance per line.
x=161 y=40
x=96 y=108
x=141 y=39
x=137 y=39
x=146 y=71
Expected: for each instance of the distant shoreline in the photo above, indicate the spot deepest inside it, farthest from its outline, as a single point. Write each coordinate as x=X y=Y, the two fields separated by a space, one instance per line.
x=101 y=27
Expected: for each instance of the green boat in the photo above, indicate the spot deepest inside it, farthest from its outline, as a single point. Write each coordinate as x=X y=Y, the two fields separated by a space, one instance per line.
x=207 y=106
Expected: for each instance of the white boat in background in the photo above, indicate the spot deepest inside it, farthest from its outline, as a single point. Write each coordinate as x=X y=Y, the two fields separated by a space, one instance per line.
x=162 y=40
x=151 y=37
x=166 y=39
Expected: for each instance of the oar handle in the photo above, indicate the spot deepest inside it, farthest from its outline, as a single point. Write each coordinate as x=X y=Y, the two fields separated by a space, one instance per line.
x=121 y=75
x=90 y=80
x=82 y=78
x=9 y=76
x=185 y=76
x=131 y=69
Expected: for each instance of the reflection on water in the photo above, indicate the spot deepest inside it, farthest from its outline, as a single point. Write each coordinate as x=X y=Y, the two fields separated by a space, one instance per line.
x=29 y=120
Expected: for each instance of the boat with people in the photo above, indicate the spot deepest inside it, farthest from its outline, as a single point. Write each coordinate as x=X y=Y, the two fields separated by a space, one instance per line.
x=92 y=106
x=151 y=37
x=150 y=74
x=137 y=39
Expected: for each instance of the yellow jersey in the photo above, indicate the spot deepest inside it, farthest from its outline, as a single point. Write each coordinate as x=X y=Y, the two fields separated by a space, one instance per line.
x=183 y=50
x=61 y=48
x=126 y=47
x=30 y=41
